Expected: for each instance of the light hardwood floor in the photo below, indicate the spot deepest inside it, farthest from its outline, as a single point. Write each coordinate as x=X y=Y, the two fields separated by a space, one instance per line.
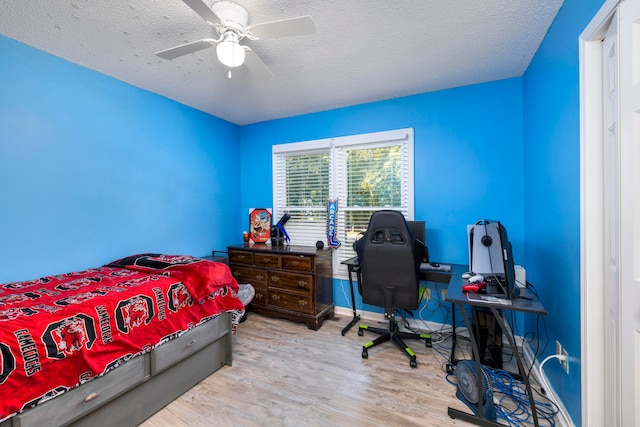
x=284 y=374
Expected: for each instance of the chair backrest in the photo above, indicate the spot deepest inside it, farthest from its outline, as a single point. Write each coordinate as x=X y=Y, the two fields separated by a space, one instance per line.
x=389 y=258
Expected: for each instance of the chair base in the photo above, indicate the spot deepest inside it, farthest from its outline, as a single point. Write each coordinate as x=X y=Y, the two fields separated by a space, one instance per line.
x=398 y=337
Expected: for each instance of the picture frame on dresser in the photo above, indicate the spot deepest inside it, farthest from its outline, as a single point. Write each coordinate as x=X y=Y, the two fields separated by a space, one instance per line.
x=260 y=224
x=291 y=282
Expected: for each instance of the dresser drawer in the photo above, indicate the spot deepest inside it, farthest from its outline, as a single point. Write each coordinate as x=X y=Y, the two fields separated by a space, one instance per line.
x=240 y=257
x=291 y=281
x=261 y=296
x=293 y=302
x=298 y=263
x=266 y=260
x=255 y=276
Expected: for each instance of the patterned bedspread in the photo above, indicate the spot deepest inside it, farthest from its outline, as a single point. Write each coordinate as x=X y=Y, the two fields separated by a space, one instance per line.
x=57 y=332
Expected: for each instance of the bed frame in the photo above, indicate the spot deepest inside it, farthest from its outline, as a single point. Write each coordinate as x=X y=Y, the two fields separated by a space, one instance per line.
x=140 y=387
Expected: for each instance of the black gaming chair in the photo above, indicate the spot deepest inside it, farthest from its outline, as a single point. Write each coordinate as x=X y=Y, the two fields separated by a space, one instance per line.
x=389 y=259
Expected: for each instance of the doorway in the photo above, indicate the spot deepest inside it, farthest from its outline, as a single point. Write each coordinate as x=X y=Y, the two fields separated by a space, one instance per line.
x=610 y=215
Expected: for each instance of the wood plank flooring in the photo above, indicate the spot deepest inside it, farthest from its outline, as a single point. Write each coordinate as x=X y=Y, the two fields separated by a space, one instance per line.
x=285 y=374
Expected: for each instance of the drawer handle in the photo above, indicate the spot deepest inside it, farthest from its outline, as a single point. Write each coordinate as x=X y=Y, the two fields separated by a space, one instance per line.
x=259 y=295
x=296 y=263
x=259 y=276
x=236 y=274
x=266 y=261
x=302 y=283
x=275 y=278
x=241 y=257
x=275 y=297
x=302 y=302
x=191 y=343
x=92 y=396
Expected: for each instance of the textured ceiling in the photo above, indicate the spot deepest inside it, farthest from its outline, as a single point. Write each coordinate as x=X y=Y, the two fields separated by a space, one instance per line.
x=362 y=50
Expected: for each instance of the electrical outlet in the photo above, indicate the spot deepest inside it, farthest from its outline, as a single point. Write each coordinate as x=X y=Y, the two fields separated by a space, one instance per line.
x=444 y=294
x=427 y=294
x=565 y=362
x=558 y=350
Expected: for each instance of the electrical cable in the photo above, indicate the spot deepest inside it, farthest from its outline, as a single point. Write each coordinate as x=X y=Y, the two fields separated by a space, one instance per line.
x=440 y=307
x=512 y=400
x=344 y=293
x=545 y=385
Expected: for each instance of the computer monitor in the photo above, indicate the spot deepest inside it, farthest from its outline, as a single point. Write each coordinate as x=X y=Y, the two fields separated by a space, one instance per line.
x=491 y=255
x=418 y=230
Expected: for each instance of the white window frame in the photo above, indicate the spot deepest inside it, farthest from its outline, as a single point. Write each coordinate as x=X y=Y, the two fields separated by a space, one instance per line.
x=337 y=147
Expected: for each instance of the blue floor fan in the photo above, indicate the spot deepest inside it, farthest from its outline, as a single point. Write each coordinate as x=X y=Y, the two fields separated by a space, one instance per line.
x=467 y=389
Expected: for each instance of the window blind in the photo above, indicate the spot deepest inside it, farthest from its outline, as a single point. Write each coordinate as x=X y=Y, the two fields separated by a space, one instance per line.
x=301 y=188
x=366 y=172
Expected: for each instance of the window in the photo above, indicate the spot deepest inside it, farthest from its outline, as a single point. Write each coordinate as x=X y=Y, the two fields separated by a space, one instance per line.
x=364 y=173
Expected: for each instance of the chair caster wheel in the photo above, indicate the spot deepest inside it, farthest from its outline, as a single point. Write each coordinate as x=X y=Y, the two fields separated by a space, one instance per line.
x=360 y=332
x=365 y=354
x=413 y=363
x=428 y=343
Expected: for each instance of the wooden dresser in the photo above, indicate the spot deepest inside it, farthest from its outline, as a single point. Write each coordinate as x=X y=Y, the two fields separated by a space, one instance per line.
x=293 y=282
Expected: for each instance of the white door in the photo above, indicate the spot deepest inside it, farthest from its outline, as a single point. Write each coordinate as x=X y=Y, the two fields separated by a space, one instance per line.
x=611 y=158
x=610 y=215
x=629 y=279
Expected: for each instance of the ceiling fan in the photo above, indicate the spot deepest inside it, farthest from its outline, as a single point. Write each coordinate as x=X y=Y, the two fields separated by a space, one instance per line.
x=231 y=22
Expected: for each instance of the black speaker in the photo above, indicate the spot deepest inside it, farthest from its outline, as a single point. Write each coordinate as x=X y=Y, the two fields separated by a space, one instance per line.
x=277 y=239
x=488 y=335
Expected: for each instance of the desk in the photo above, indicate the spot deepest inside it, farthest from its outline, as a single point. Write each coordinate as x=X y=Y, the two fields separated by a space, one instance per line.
x=526 y=303
x=427 y=273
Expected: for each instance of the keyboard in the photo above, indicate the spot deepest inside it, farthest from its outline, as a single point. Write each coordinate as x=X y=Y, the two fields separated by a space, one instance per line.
x=427 y=266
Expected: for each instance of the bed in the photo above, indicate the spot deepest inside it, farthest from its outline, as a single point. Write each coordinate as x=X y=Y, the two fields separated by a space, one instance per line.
x=114 y=344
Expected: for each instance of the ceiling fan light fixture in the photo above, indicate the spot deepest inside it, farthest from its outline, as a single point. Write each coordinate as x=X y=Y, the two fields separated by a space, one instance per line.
x=231 y=23
x=229 y=51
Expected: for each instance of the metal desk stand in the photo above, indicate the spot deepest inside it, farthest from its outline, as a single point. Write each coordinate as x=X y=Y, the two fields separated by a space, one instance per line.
x=353 y=267
x=526 y=303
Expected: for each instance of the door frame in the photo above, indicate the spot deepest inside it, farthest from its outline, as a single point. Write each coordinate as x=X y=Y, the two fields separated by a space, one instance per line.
x=592 y=310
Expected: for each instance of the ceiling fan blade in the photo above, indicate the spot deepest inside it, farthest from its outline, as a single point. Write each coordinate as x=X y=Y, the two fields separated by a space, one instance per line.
x=186 y=48
x=201 y=8
x=256 y=65
x=299 y=26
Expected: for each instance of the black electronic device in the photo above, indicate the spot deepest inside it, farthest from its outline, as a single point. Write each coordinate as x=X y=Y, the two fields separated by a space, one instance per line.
x=491 y=254
x=279 y=235
x=418 y=230
x=488 y=336
x=277 y=238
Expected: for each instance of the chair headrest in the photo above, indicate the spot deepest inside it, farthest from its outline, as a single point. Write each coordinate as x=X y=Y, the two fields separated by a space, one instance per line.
x=386 y=226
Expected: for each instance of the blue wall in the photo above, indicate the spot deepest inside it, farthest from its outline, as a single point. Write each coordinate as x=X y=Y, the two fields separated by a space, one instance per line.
x=468 y=160
x=468 y=156
x=92 y=169
x=552 y=188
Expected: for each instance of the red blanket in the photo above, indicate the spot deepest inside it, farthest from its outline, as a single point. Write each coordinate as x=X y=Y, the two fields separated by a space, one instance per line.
x=57 y=332
x=200 y=277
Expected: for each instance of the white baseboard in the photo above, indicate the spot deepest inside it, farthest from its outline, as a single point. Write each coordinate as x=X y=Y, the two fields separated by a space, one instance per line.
x=347 y=312
x=422 y=325
x=563 y=418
